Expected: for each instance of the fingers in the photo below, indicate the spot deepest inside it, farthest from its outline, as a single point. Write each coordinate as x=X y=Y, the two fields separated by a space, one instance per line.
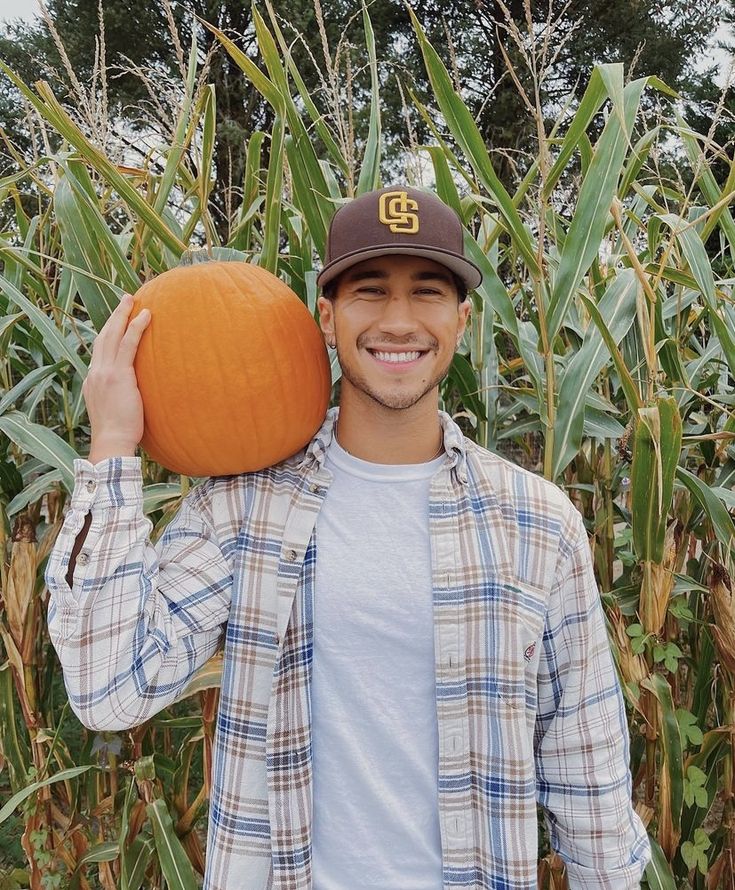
x=131 y=338
x=107 y=342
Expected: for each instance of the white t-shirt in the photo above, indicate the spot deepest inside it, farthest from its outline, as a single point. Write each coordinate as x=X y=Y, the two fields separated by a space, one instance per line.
x=373 y=697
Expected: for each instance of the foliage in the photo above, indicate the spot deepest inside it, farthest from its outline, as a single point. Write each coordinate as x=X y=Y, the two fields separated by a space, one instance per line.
x=135 y=40
x=601 y=353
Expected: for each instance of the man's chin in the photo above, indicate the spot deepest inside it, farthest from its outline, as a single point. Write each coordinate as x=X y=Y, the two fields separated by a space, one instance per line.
x=392 y=400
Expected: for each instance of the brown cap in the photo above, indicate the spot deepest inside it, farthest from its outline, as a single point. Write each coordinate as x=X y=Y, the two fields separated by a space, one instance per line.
x=397 y=219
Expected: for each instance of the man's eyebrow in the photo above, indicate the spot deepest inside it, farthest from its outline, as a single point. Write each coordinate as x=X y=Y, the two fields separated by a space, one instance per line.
x=361 y=274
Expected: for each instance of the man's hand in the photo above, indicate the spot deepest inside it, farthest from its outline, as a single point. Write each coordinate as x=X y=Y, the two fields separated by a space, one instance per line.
x=110 y=391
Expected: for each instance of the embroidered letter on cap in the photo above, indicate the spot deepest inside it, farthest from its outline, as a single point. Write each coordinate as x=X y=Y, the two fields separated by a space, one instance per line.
x=395 y=212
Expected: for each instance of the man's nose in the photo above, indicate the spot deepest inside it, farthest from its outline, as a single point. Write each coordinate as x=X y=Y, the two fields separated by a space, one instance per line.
x=398 y=315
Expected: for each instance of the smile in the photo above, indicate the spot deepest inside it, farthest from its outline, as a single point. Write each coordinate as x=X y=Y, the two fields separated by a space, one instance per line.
x=397 y=359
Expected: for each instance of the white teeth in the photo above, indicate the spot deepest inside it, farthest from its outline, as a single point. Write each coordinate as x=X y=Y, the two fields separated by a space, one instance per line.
x=397 y=356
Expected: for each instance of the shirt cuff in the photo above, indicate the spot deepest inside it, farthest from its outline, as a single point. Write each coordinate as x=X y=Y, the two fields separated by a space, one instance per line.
x=112 y=482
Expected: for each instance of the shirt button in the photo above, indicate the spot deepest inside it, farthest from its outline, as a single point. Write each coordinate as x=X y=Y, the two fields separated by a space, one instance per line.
x=277 y=639
x=83 y=558
x=314 y=488
x=290 y=555
x=91 y=485
x=456 y=824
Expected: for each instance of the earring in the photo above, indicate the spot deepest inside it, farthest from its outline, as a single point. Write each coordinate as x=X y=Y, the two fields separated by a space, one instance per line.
x=331 y=344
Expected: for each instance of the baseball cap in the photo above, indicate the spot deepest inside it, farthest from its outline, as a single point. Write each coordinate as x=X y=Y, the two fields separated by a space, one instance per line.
x=397 y=219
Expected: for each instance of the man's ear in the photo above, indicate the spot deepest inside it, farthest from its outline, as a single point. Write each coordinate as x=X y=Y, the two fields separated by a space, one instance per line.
x=463 y=314
x=326 y=318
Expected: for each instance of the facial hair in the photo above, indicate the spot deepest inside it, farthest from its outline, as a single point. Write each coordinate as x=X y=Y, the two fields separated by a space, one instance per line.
x=394 y=400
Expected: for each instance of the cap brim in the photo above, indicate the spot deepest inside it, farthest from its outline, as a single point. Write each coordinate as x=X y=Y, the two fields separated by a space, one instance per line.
x=467 y=271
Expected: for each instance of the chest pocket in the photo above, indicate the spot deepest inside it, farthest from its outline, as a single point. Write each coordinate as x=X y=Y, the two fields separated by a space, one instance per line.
x=512 y=626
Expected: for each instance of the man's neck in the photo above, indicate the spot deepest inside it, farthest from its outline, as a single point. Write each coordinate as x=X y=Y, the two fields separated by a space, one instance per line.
x=390 y=436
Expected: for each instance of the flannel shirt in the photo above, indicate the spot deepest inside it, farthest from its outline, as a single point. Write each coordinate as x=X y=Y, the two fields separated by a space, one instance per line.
x=529 y=705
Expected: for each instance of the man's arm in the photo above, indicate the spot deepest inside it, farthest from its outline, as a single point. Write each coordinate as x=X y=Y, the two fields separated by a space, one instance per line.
x=96 y=454
x=582 y=742
x=130 y=621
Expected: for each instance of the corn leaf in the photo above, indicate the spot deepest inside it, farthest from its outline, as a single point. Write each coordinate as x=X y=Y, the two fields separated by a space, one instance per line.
x=617 y=310
x=175 y=864
x=468 y=137
x=370 y=168
x=598 y=189
x=42 y=443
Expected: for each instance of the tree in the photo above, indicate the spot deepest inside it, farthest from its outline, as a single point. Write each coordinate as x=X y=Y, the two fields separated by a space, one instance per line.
x=481 y=38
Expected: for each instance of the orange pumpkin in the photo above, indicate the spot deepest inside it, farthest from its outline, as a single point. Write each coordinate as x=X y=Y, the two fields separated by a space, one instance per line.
x=232 y=369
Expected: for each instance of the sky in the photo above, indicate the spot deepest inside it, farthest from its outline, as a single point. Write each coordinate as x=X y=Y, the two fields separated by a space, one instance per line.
x=11 y=9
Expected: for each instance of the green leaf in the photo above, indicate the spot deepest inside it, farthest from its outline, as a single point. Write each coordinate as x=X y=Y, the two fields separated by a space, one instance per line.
x=463 y=377
x=53 y=341
x=52 y=111
x=594 y=96
x=136 y=859
x=14 y=746
x=617 y=310
x=696 y=256
x=26 y=792
x=596 y=195
x=656 y=451
x=318 y=119
x=464 y=129
x=626 y=380
x=370 y=169
x=273 y=199
x=175 y=864
x=658 y=872
x=716 y=512
x=690 y=731
x=42 y=443
x=671 y=744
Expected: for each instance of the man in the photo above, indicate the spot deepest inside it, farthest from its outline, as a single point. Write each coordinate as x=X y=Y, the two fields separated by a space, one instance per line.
x=414 y=647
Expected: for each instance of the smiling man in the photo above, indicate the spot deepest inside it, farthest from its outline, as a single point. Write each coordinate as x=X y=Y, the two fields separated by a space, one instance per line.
x=461 y=669
x=415 y=653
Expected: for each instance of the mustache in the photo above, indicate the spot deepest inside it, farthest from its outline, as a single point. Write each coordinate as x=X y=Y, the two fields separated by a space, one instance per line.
x=406 y=344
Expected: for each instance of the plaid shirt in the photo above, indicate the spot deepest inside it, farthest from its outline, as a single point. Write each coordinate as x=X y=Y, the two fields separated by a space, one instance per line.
x=528 y=702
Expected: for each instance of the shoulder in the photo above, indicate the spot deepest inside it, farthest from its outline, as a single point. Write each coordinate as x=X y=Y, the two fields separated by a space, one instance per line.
x=227 y=502
x=526 y=499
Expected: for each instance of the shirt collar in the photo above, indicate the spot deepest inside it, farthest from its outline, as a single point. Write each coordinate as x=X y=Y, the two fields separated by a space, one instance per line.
x=455 y=444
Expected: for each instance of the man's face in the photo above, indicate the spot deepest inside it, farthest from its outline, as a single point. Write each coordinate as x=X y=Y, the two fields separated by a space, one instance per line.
x=396 y=320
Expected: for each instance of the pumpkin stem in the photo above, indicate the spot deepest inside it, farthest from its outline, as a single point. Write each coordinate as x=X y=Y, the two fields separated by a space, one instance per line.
x=214 y=255
x=197 y=255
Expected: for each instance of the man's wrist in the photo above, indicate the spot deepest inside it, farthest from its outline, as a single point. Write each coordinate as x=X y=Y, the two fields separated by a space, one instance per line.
x=102 y=450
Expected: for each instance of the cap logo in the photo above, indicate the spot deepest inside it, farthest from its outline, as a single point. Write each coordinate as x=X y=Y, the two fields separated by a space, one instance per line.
x=395 y=211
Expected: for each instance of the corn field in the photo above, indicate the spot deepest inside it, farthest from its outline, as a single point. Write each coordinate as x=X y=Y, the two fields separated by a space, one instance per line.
x=600 y=353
